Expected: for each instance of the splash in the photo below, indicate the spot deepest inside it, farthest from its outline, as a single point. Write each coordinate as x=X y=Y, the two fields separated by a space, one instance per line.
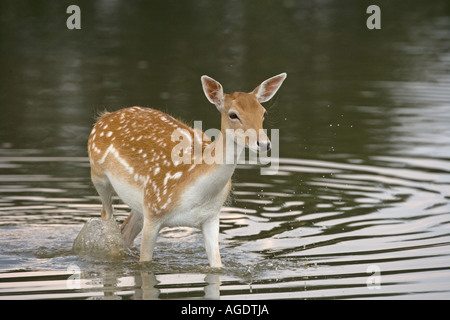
x=100 y=238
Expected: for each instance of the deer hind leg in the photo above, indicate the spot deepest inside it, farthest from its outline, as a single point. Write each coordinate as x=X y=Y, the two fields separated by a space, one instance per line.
x=210 y=230
x=131 y=227
x=105 y=191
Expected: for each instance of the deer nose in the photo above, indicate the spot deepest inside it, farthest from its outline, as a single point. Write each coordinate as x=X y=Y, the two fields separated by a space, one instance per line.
x=263 y=146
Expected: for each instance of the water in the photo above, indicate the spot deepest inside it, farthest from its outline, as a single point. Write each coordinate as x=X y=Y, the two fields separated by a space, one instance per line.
x=360 y=206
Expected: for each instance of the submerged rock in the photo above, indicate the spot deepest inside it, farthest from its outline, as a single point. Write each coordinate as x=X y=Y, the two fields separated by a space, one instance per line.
x=100 y=237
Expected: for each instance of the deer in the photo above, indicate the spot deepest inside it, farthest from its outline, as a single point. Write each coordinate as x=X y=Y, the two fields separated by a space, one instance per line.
x=131 y=151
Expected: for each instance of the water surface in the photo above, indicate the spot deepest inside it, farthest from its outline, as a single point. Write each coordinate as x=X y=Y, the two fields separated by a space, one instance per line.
x=360 y=205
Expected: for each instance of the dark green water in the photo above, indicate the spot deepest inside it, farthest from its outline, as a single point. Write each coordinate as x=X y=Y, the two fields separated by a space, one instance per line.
x=363 y=189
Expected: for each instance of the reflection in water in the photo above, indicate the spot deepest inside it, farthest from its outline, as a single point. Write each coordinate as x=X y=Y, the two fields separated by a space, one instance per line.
x=147 y=282
x=145 y=285
x=149 y=290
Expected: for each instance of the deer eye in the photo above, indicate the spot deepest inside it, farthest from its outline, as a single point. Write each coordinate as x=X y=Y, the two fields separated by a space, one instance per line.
x=233 y=115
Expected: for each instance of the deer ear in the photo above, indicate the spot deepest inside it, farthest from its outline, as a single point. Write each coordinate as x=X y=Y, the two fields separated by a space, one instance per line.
x=266 y=90
x=213 y=91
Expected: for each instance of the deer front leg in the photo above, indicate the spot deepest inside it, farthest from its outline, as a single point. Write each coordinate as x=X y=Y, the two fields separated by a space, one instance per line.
x=149 y=235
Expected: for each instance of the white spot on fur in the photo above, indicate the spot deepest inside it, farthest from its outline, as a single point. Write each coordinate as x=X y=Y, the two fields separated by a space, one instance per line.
x=176 y=175
x=110 y=149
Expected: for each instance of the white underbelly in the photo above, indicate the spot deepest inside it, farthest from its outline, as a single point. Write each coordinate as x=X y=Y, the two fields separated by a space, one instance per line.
x=195 y=207
x=190 y=217
x=129 y=194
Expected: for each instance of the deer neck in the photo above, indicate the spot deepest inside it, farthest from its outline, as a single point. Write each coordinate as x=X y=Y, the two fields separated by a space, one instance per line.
x=222 y=154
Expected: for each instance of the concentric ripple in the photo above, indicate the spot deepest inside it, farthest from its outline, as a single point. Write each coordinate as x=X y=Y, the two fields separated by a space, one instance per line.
x=318 y=229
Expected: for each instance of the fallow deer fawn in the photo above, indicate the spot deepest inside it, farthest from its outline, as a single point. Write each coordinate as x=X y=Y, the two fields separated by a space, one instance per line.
x=130 y=153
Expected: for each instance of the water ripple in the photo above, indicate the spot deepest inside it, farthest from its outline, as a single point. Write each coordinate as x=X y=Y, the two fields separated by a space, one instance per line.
x=315 y=228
